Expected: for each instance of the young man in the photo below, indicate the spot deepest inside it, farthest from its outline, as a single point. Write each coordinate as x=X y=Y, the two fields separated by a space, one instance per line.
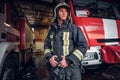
x=64 y=46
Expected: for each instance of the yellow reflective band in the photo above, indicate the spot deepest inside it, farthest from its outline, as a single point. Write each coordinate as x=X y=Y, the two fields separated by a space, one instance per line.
x=78 y=54
x=52 y=45
x=51 y=37
x=66 y=42
x=65 y=50
x=47 y=51
x=66 y=35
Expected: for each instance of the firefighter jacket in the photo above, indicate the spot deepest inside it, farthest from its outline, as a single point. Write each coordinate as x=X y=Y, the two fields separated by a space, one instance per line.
x=67 y=40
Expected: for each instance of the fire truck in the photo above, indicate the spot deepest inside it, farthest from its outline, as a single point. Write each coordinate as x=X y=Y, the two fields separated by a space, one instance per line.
x=100 y=23
x=16 y=39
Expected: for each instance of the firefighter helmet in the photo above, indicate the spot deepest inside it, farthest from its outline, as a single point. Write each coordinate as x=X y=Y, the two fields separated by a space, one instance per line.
x=62 y=5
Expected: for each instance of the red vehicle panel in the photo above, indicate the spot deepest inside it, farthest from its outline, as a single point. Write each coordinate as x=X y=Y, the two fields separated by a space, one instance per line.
x=114 y=54
x=101 y=28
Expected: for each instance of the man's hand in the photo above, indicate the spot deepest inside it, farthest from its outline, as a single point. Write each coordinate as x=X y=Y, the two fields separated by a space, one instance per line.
x=63 y=62
x=52 y=61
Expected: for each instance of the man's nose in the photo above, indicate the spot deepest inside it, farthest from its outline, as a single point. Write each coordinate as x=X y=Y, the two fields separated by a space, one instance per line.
x=64 y=12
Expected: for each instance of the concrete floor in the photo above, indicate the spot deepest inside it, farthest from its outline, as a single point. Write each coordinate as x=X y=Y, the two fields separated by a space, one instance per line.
x=110 y=73
x=41 y=73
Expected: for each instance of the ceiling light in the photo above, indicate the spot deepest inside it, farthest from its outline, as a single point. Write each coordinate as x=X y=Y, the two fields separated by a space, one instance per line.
x=7 y=25
x=33 y=29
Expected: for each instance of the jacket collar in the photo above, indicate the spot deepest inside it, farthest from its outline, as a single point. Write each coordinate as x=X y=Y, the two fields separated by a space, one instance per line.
x=64 y=25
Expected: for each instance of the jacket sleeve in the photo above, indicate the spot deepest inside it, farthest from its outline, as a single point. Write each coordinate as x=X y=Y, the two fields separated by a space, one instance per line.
x=80 y=46
x=47 y=46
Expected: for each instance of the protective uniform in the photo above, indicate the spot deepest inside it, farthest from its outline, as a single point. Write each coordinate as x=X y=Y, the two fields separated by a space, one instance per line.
x=69 y=41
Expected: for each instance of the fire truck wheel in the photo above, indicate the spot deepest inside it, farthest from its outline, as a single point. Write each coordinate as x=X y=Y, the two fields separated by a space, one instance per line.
x=9 y=69
x=8 y=74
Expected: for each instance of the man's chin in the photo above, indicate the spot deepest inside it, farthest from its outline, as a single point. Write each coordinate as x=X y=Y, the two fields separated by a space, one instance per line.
x=63 y=19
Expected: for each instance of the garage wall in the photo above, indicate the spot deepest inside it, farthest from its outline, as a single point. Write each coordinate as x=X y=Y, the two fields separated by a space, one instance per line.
x=39 y=46
x=40 y=34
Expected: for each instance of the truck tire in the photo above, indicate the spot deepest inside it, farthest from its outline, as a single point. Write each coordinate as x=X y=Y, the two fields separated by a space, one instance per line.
x=8 y=74
x=10 y=69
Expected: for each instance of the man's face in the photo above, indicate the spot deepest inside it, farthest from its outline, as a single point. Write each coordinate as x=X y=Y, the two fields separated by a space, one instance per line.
x=63 y=13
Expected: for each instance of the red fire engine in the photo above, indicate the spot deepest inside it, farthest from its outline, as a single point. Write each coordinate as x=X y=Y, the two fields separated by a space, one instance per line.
x=100 y=23
x=14 y=38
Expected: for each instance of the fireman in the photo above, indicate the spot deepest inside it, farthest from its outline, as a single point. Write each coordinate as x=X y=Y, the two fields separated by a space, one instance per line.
x=64 y=46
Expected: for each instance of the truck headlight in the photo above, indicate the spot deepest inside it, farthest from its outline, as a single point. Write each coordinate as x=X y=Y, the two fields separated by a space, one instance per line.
x=90 y=56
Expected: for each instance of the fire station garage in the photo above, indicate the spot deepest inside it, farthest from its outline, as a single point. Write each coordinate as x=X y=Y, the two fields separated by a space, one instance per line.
x=24 y=25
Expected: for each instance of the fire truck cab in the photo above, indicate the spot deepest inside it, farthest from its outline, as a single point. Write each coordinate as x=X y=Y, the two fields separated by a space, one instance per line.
x=100 y=23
